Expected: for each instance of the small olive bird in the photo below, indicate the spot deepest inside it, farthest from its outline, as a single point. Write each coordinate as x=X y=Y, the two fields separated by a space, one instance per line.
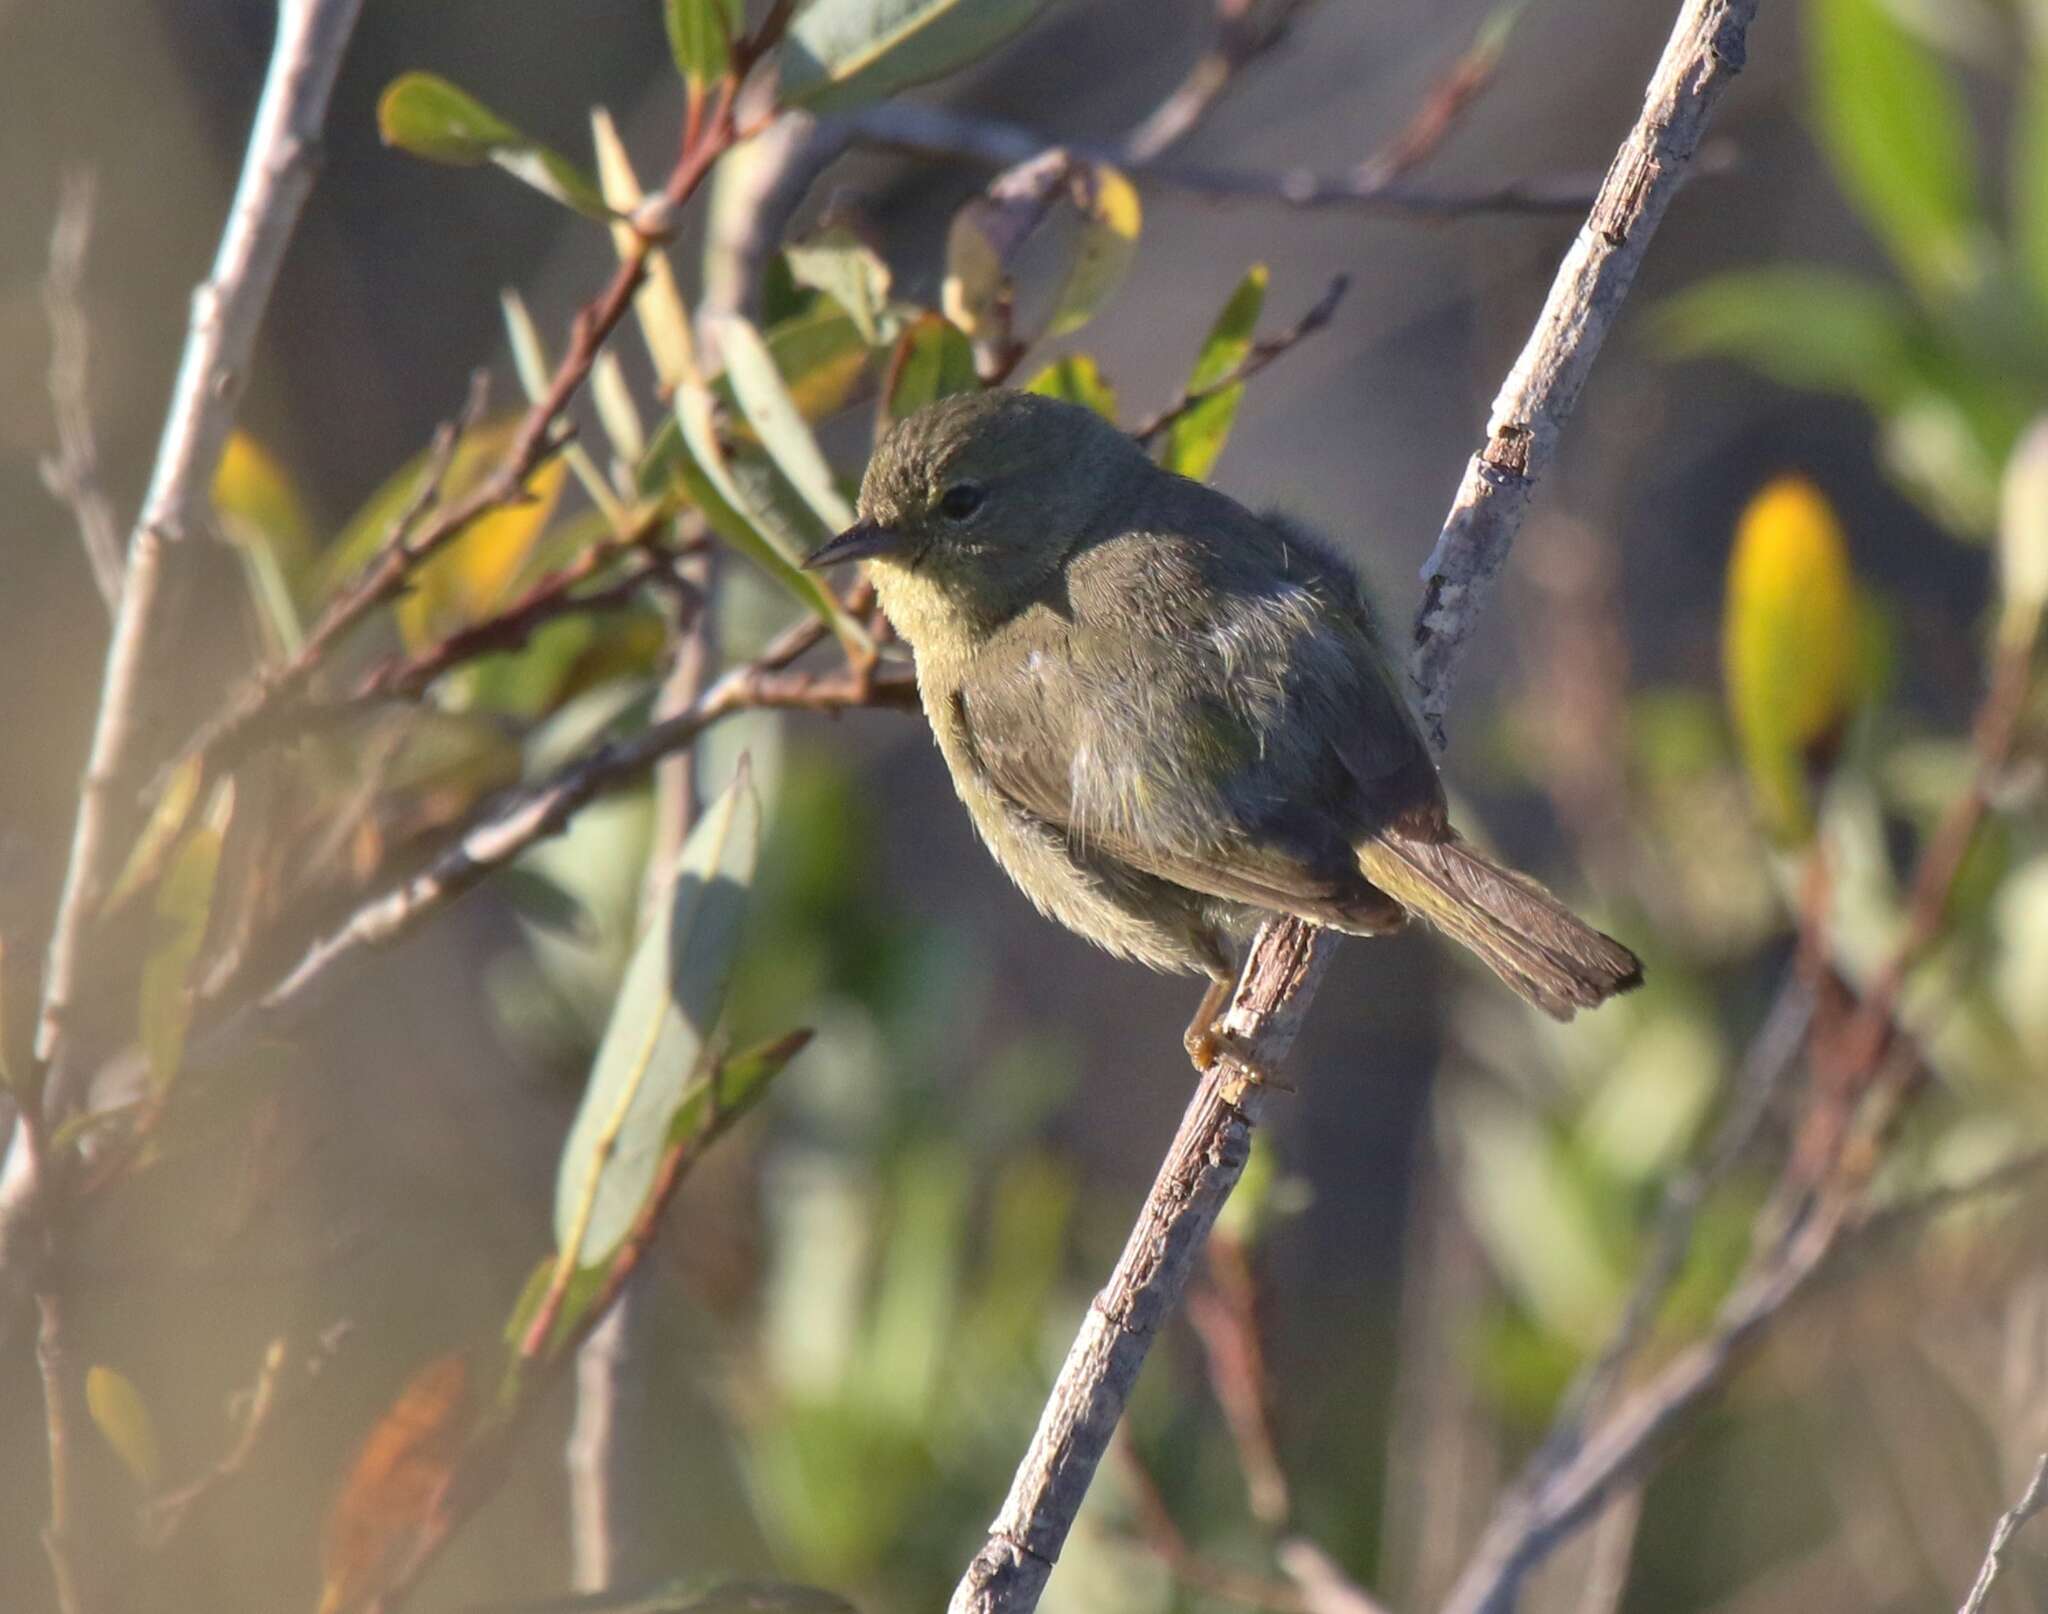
x=1171 y=718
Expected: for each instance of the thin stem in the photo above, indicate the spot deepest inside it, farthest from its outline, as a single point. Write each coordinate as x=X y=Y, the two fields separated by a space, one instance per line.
x=2032 y=1501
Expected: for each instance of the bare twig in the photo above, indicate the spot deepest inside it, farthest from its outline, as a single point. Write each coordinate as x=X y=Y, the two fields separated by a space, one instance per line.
x=1191 y=1568
x=55 y=1366
x=277 y=173
x=1225 y=1318
x=72 y=474
x=934 y=131
x=1446 y=101
x=1011 y=1569
x=1703 y=56
x=1261 y=353
x=1245 y=31
x=2032 y=1500
x=1201 y=1168
x=530 y=813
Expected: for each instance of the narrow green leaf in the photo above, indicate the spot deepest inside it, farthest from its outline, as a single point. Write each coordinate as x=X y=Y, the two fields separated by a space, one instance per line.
x=612 y=397
x=659 y=1031
x=1195 y=441
x=1111 y=218
x=836 y=261
x=846 y=53
x=1077 y=379
x=426 y=115
x=2030 y=177
x=658 y=305
x=184 y=904
x=700 y=34
x=933 y=360
x=1894 y=124
x=693 y=459
x=530 y=360
x=1802 y=326
x=776 y=420
x=167 y=820
x=119 y=1414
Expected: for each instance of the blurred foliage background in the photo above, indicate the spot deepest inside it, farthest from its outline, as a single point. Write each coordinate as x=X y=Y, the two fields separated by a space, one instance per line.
x=1744 y=639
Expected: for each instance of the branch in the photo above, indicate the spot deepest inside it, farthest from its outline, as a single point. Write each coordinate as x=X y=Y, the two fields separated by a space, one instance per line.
x=1243 y=34
x=1703 y=56
x=1261 y=353
x=277 y=174
x=1088 y=1396
x=2032 y=1501
x=72 y=474
x=519 y=818
x=934 y=131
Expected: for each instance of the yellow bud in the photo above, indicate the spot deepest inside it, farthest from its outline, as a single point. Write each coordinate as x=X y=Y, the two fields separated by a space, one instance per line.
x=1788 y=644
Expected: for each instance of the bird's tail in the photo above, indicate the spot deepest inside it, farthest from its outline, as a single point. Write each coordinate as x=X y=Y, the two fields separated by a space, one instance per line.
x=1524 y=934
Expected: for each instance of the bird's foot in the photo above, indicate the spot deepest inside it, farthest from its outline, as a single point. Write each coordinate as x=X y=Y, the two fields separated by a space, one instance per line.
x=1208 y=1043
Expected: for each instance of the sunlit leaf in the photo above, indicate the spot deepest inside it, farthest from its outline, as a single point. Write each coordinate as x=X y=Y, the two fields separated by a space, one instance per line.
x=612 y=397
x=1077 y=379
x=844 y=53
x=695 y=462
x=397 y=1486
x=838 y=262
x=119 y=1414
x=1894 y=123
x=475 y=574
x=1801 y=326
x=1788 y=645
x=2023 y=537
x=261 y=514
x=932 y=361
x=778 y=423
x=429 y=117
x=661 y=1025
x=820 y=355
x=700 y=35
x=658 y=305
x=1112 y=217
x=1195 y=441
x=184 y=904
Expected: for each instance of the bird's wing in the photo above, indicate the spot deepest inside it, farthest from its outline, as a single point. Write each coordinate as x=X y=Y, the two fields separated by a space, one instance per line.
x=1232 y=739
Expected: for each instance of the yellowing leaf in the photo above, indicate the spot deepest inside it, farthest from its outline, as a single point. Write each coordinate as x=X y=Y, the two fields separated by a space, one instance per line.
x=470 y=578
x=1195 y=441
x=1077 y=379
x=119 y=1414
x=255 y=499
x=1109 y=240
x=932 y=361
x=397 y=1487
x=658 y=305
x=1789 y=645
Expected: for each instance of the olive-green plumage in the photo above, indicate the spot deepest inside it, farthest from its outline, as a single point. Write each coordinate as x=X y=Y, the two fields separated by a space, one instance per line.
x=1170 y=717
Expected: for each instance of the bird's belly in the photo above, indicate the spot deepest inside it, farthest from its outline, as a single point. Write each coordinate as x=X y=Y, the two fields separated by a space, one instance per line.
x=1121 y=909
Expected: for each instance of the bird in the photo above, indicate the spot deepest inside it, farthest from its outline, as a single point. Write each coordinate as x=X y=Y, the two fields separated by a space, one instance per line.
x=1171 y=718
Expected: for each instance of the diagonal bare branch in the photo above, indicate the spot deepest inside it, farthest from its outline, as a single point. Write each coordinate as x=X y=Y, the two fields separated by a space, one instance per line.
x=72 y=474
x=1010 y=1571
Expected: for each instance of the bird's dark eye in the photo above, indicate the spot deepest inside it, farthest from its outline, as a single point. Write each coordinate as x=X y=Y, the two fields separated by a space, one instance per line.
x=961 y=500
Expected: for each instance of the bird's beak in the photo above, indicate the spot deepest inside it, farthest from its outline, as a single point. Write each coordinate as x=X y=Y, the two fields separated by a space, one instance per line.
x=861 y=541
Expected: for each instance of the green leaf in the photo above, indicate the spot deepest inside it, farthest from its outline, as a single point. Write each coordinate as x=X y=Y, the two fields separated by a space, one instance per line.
x=167 y=820
x=700 y=34
x=933 y=360
x=1895 y=126
x=426 y=115
x=770 y=410
x=1077 y=379
x=1803 y=327
x=837 y=262
x=1195 y=441
x=184 y=904
x=118 y=1413
x=660 y=1029
x=1111 y=218
x=2030 y=179
x=2023 y=537
x=687 y=451
x=846 y=53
